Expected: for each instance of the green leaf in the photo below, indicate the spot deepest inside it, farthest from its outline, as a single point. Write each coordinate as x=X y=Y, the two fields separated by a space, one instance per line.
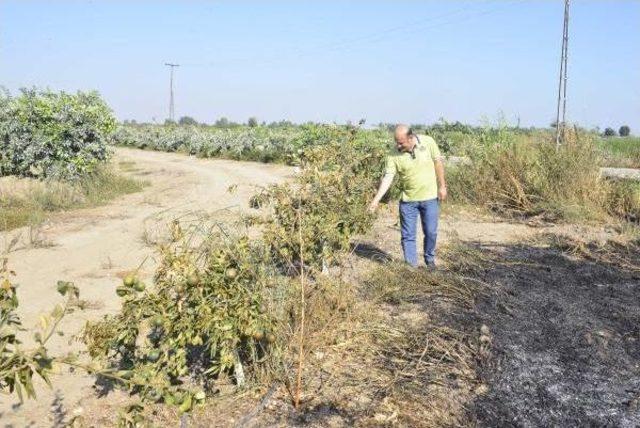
x=186 y=404
x=62 y=287
x=18 y=389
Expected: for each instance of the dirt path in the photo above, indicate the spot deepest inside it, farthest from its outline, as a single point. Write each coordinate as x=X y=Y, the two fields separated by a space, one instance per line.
x=95 y=247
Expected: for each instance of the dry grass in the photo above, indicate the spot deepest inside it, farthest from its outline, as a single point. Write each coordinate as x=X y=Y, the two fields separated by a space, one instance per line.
x=622 y=251
x=26 y=201
x=532 y=178
x=384 y=351
x=425 y=359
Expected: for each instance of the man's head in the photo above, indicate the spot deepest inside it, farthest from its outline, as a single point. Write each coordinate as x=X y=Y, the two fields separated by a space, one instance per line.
x=404 y=138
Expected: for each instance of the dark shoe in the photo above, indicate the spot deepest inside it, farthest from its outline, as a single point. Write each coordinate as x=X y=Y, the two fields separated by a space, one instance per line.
x=431 y=267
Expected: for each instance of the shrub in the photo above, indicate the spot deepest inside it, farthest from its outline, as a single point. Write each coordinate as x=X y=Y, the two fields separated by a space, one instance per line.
x=326 y=206
x=46 y=134
x=623 y=200
x=205 y=316
x=609 y=132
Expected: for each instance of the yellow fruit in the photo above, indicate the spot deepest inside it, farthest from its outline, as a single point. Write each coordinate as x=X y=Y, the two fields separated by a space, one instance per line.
x=139 y=286
x=153 y=356
x=129 y=280
x=231 y=273
x=271 y=338
x=157 y=321
x=193 y=280
x=258 y=335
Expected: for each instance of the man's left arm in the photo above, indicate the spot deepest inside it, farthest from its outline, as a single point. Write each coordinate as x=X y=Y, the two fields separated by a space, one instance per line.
x=442 y=184
x=438 y=162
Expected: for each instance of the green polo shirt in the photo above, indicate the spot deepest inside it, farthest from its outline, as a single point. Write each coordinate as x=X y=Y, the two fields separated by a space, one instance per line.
x=417 y=176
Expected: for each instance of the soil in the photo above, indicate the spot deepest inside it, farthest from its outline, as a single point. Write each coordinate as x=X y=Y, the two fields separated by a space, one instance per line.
x=95 y=248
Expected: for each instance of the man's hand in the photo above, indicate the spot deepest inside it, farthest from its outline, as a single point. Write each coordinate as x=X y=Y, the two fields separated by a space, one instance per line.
x=442 y=193
x=373 y=206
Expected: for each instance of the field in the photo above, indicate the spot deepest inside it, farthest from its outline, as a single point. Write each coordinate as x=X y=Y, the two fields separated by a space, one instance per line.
x=246 y=284
x=621 y=152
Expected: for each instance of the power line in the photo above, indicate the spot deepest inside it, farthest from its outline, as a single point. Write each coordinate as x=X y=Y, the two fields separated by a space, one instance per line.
x=171 y=107
x=562 y=80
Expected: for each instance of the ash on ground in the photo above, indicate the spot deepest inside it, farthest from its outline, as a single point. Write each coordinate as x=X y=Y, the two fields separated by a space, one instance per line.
x=565 y=342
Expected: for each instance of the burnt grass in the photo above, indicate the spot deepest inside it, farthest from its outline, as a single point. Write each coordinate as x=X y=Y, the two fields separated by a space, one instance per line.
x=565 y=345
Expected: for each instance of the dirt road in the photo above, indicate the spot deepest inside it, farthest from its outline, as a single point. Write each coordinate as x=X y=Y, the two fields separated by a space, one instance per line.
x=95 y=247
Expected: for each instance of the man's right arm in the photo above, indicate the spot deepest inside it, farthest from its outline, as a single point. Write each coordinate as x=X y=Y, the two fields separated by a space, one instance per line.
x=384 y=187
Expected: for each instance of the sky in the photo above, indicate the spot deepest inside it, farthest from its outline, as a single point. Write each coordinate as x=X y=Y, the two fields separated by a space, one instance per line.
x=476 y=61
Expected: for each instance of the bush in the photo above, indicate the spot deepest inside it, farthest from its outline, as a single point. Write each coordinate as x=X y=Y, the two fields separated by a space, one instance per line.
x=624 y=131
x=609 y=132
x=205 y=316
x=19 y=366
x=220 y=304
x=315 y=218
x=46 y=134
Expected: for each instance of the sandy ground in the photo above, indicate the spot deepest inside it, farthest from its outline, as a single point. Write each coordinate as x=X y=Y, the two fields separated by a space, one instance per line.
x=95 y=247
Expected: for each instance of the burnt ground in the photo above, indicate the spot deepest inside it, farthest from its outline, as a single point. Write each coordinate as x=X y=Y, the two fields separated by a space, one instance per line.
x=564 y=346
x=565 y=341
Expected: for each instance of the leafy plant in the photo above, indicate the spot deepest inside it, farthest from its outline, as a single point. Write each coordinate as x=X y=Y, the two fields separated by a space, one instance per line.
x=255 y=143
x=327 y=202
x=205 y=317
x=46 y=134
x=18 y=366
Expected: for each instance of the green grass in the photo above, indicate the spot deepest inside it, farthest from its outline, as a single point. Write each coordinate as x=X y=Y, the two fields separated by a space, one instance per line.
x=25 y=202
x=622 y=152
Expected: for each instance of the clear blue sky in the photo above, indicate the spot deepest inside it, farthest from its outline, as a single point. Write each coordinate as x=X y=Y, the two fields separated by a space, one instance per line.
x=386 y=61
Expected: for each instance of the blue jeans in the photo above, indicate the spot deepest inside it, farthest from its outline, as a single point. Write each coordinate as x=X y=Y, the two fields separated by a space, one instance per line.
x=428 y=211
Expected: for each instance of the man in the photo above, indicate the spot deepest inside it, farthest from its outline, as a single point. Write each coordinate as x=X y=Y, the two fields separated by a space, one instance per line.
x=420 y=170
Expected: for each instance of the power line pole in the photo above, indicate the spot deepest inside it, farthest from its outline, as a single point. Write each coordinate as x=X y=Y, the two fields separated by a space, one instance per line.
x=171 y=110
x=562 y=81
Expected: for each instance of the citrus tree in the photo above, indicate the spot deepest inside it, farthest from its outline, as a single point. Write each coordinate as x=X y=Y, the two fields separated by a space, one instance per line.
x=326 y=205
x=49 y=134
x=205 y=316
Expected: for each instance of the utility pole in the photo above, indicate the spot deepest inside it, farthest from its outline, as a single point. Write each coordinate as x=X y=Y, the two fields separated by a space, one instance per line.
x=562 y=81
x=171 y=110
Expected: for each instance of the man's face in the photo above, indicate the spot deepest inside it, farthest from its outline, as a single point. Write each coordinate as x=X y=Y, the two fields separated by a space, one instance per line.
x=403 y=141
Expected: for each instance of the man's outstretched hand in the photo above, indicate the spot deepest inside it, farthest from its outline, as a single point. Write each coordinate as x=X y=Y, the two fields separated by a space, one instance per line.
x=442 y=193
x=373 y=206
